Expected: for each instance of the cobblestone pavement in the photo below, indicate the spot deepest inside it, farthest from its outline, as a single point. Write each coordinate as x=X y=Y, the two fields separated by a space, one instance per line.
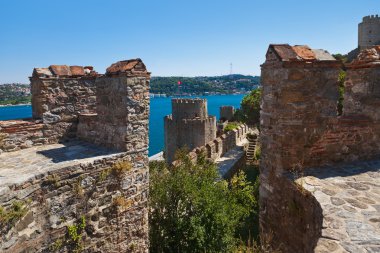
x=19 y=166
x=350 y=199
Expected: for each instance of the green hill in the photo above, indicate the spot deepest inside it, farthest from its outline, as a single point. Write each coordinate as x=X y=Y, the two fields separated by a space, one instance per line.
x=200 y=85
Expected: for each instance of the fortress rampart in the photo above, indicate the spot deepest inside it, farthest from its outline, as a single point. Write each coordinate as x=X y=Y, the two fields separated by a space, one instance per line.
x=300 y=128
x=189 y=108
x=188 y=126
x=219 y=146
x=80 y=164
x=226 y=113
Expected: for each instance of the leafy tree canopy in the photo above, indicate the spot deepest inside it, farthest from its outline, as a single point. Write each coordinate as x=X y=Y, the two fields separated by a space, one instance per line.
x=192 y=210
x=250 y=108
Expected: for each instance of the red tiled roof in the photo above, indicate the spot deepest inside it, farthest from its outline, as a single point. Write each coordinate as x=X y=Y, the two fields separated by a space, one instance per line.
x=77 y=71
x=64 y=71
x=304 y=52
x=126 y=66
x=285 y=52
x=60 y=70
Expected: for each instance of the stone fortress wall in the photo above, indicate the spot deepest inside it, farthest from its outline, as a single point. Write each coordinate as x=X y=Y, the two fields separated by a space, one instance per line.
x=369 y=32
x=60 y=94
x=189 y=126
x=300 y=128
x=226 y=113
x=183 y=108
x=99 y=188
x=216 y=148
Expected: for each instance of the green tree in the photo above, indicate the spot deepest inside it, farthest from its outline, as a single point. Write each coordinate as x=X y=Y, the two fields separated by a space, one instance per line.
x=341 y=79
x=192 y=210
x=341 y=57
x=250 y=108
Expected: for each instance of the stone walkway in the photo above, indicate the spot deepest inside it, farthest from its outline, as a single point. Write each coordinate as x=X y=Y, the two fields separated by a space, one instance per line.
x=229 y=160
x=19 y=166
x=350 y=199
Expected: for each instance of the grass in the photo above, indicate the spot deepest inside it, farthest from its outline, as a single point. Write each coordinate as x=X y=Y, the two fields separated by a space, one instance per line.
x=10 y=216
x=231 y=126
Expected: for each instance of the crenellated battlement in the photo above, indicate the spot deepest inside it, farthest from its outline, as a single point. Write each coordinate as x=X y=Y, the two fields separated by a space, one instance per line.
x=183 y=108
x=219 y=146
x=369 y=32
x=64 y=71
x=189 y=126
x=189 y=101
x=371 y=18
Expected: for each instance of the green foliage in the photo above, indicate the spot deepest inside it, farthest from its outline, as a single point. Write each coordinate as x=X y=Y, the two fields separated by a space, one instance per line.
x=231 y=126
x=257 y=154
x=119 y=169
x=57 y=245
x=77 y=187
x=341 y=79
x=103 y=175
x=341 y=57
x=9 y=216
x=200 y=85
x=15 y=93
x=250 y=108
x=53 y=180
x=265 y=246
x=75 y=234
x=16 y=100
x=192 y=210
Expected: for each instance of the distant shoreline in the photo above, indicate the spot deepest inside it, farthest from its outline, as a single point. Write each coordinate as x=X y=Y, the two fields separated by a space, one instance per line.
x=10 y=105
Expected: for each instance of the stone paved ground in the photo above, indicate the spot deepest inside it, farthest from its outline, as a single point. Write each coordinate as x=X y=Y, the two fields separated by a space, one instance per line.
x=350 y=198
x=19 y=166
x=228 y=162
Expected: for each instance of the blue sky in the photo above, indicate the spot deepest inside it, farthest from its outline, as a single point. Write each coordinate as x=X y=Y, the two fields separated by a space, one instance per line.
x=173 y=37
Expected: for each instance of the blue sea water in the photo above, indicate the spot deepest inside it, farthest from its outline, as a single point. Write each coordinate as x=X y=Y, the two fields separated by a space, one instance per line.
x=159 y=107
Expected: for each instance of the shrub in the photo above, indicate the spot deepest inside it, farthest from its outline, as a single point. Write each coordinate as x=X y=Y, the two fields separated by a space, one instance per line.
x=231 y=126
x=192 y=210
x=341 y=79
x=250 y=108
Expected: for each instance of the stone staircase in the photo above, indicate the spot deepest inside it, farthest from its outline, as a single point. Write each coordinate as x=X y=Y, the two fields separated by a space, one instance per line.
x=252 y=142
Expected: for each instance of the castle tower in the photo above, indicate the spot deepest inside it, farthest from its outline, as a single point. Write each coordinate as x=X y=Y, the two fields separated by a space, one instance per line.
x=189 y=126
x=226 y=113
x=369 y=32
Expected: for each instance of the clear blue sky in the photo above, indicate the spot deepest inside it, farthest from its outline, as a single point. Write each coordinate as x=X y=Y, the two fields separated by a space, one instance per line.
x=173 y=37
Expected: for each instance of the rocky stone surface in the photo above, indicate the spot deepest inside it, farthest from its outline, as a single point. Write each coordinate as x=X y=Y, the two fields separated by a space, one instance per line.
x=233 y=160
x=300 y=128
x=62 y=91
x=217 y=150
x=75 y=196
x=29 y=164
x=59 y=185
x=21 y=134
x=349 y=196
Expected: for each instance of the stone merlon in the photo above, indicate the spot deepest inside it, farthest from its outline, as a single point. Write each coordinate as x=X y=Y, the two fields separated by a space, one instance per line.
x=64 y=71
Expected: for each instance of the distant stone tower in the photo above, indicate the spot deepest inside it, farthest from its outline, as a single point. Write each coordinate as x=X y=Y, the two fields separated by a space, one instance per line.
x=369 y=32
x=189 y=126
x=226 y=113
